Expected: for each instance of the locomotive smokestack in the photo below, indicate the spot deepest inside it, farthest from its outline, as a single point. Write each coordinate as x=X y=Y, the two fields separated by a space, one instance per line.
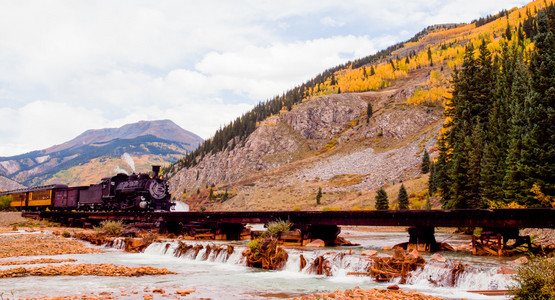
x=155 y=171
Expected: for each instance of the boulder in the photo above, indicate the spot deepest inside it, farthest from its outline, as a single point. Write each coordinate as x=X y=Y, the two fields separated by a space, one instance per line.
x=316 y=243
x=414 y=254
x=438 y=258
x=393 y=287
x=370 y=253
x=519 y=261
x=506 y=271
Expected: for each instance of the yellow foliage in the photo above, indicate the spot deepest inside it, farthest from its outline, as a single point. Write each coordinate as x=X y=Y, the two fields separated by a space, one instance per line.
x=544 y=199
x=418 y=201
x=498 y=205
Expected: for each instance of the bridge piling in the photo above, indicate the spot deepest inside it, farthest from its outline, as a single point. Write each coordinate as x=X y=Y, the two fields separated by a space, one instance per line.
x=422 y=239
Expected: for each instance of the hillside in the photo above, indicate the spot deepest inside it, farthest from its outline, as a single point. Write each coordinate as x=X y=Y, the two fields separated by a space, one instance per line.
x=317 y=135
x=99 y=153
x=8 y=184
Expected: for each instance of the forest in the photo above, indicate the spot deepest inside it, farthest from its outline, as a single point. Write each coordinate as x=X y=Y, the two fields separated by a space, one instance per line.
x=498 y=145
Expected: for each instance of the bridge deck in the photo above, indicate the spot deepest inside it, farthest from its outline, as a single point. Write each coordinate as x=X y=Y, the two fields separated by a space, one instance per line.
x=492 y=218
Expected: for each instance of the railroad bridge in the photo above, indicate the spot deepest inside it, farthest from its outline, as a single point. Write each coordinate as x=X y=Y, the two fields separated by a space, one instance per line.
x=500 y=223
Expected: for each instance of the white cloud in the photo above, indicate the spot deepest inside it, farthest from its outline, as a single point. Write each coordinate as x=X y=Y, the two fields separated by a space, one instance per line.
x=102 y=63
x=42 y=124
x=329 y=21
x=261 y=72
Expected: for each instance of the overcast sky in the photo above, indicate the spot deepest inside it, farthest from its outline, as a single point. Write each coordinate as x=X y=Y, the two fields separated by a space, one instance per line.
x=69 y=66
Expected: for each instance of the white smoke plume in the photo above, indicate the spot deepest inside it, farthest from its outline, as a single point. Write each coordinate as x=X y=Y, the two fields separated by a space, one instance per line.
x=118 y=170
x=129 y=160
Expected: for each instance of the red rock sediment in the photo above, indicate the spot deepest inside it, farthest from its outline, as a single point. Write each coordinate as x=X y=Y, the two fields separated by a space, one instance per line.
x=83 y=269
x=373 y=294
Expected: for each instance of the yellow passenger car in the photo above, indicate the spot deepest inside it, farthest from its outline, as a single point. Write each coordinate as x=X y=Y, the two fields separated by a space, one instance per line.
x=36 y=198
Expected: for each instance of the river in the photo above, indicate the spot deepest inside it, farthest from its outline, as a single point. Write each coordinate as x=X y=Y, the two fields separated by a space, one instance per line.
x=225 y=276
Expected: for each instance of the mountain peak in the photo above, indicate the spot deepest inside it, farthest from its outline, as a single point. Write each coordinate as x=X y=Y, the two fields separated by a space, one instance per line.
x=164 y=129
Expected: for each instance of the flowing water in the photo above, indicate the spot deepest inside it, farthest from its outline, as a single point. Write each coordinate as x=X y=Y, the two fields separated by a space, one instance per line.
x=225 y=276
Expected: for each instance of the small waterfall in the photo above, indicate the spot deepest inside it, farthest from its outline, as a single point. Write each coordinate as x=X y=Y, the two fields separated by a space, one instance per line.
x=221 y=253
x=464 y=277
x=119 y=243
x=338 y=264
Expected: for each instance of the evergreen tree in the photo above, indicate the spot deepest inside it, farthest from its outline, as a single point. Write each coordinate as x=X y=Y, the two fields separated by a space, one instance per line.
x=517 y=127
x=469 y=109
x=432 y=181
x=474 y=168
x=428 y=202
x=403 y=198
x=319 y=196
x=496 y=147
x=443 y=165
x=381 y=200
x=425 y=162
x=538 y=144
x=368 y=112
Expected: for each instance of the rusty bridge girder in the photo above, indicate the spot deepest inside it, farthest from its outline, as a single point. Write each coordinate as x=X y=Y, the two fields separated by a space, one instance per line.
x=491 y=218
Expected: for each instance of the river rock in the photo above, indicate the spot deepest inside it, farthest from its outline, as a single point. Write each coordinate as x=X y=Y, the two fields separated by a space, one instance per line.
x=438 y=258
x=386 y=248
x=316 y=243
x=393 y=287
x=370 y=253
x=519 y=261
x=185 y=292
x=414 y=254
x=506 y=271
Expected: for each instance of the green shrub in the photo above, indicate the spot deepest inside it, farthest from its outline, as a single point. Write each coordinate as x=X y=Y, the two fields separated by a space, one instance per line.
x=66 y=234
x=535 y=280
x=253 y=245
x=5 y=202
x=111 y=227
x=274 y=228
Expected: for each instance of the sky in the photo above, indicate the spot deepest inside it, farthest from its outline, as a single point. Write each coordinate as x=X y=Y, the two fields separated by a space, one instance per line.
x=70 y=66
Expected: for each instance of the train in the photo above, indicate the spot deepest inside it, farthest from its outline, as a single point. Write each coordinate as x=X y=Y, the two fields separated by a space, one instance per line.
x=122 y=192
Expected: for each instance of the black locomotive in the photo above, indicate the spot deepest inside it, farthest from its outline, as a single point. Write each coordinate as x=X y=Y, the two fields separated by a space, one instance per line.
x=133 y=192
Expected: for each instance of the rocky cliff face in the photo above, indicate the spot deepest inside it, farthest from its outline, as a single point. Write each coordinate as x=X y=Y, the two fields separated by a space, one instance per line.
x=325 y=143
x=279 y=140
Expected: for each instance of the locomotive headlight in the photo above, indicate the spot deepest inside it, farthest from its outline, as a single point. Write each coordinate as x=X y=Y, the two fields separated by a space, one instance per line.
x=143 y=204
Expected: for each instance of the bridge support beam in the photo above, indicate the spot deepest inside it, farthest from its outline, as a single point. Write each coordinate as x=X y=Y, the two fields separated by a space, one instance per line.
x=422 y=239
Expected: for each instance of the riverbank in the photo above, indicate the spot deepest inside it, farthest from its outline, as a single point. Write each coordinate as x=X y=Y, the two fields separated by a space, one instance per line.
x=212 y=272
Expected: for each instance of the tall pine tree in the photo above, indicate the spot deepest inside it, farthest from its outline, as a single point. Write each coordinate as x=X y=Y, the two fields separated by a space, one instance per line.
x=403 y=198
x=538 y=144
x=382 y=203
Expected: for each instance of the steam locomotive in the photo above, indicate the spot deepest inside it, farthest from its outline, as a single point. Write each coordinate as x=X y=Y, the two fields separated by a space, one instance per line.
x=135 y=192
